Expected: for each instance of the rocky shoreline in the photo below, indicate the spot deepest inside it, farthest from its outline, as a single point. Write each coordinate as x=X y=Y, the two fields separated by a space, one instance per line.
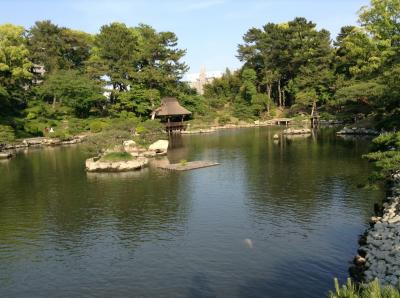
x=358 y=131
x=41 y=142
x=256 y=123
x=379 y=252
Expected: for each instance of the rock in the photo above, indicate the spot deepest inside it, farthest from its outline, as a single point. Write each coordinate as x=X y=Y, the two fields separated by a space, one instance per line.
x=160 y=147
x=379 y=254
x=129 y=143
x=357 y=131
x=150 y=154
x=395 y=219
x=130 y=146
x=300 y=131
x=359 y=261
x=5 y=155
x=72 y=141
x=96 y=165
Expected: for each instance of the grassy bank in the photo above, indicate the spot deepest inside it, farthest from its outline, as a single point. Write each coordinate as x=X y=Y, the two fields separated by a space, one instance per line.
x=371 y=290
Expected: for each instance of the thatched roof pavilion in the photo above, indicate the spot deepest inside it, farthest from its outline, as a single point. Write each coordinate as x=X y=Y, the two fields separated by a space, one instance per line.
x=170 y=107
x=171 y=112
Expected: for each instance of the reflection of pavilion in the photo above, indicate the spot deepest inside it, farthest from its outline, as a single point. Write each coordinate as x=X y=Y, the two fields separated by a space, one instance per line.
x=172 y=114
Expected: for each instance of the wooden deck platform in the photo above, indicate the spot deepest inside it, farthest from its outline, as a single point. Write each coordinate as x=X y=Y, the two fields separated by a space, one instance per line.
x=191 y=165
x=283 y=121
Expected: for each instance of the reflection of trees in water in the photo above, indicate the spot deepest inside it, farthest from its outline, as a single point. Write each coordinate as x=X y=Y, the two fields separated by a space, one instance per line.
x=47 y=195
x=145 y=206
x=306 y=173
x=303 y=176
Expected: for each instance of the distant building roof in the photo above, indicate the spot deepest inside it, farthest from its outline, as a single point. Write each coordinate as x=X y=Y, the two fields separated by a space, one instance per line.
x=170 y=107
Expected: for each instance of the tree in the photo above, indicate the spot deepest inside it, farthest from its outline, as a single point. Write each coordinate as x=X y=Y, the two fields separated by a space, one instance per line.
x=248 y=88
x=382 y=20
x=138 y=100
x=73 y=89
x=44 y=44
x=58 y=48
x=14 y=67
x=280 y=52
x=159 y=64
x=116 y=52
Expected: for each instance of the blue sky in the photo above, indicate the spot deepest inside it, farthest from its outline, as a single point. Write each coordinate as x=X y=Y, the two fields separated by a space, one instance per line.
x=210 y=30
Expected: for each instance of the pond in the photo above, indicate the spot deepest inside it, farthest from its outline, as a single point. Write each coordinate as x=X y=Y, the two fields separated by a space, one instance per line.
x=274 y=219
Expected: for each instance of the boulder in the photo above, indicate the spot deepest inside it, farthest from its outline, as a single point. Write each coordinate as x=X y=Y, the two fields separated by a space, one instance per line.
x=130 y=146
x=160 y=147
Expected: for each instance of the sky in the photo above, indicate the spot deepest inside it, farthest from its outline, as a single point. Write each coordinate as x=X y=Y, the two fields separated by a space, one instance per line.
x=210 y=30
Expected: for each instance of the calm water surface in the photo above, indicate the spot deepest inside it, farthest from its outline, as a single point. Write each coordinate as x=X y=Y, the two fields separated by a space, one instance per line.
x=273 y=220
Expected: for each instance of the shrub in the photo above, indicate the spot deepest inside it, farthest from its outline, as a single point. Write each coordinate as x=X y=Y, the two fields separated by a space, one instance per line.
x=117 y=156
x=97 y=126
x=126 y=124
x=35 y=127
x=6 y=134
x=224 y=119
x=106 y=139
x=386 y=156
x=243 y=111
x=150 y=127
x=216 y=103
x=76 y=126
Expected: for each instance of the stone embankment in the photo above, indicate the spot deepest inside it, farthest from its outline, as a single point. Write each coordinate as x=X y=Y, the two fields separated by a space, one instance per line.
x=379 y=252
x=42 y=141
x=358 y=131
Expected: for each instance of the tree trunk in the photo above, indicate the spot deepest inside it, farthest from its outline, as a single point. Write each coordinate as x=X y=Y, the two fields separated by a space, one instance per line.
x=279 y=93
x=269 y=87
x=54 y=102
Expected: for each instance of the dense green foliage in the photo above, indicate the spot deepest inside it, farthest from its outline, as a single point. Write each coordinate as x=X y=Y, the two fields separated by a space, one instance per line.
x=386 y=155
x=110 y=133
x=371 y=290
x=52 y=76
x=294 y=65
x=71 y=81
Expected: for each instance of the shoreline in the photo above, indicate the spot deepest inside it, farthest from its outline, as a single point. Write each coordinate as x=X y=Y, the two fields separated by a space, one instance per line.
x=379 y=252
x=48 y=141
x=39 y=142
x=257 y=123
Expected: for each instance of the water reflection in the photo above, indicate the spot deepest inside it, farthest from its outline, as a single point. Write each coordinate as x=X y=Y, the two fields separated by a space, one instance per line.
x=275 y=219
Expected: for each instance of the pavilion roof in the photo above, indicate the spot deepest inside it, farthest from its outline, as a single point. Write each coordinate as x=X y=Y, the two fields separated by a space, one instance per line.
x=171 y=107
